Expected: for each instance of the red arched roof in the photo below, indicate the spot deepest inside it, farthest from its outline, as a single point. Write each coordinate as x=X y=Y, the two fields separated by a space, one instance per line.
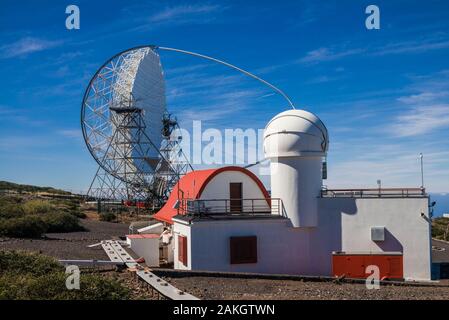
x=192 y=186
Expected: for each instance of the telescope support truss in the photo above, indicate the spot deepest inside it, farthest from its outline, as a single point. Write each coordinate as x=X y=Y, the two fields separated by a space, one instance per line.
x=145 y=178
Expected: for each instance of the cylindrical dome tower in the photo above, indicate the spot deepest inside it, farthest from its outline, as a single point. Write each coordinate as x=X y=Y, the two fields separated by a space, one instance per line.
x=296 y=141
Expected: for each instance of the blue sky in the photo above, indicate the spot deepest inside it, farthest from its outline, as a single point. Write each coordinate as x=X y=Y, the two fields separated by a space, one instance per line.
x=383 y=94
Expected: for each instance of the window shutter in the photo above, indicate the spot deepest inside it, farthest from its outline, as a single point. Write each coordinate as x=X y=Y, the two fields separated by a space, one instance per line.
x=243 y=249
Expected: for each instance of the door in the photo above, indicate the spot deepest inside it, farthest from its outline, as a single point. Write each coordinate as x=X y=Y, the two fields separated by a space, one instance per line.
x=182 y=249
x=235 y=196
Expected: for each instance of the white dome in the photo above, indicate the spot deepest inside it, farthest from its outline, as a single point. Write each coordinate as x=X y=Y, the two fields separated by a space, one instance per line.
x=295 y=133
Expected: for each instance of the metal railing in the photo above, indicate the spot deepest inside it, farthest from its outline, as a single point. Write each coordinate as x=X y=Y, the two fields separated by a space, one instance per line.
x=231 y=207
x=374 y=193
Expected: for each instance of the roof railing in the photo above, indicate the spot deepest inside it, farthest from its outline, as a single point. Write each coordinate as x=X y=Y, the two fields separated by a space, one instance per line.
x=374 y=193
x=231 y=207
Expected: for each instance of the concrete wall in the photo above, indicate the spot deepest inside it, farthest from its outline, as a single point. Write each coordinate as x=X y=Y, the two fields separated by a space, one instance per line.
x=344 y=224
x=147 y=248
x=275 y=239
x=406 y=230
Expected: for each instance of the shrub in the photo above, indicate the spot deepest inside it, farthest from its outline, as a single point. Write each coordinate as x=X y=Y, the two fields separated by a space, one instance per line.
x=61 y=222
x=4 y=185
x=7 y=199
x=34 y=226
x=439 y=226
x=77 y=213
x=31 y=276
x=108 y=216
x=37 y=206
x=71 y=206
x=26 y=262
x=11 y=210
x=23 y=227
x=52 y=287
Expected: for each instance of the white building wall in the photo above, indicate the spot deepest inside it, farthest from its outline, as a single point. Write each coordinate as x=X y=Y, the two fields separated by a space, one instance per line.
x=276 y=254
x=405 y=229
x=146 y=248
x=184 y=230
x=344 y=224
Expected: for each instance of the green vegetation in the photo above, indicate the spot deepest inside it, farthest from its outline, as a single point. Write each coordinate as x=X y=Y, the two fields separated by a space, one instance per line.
x=30 y=276
x=440 y=228
x=31 y=218
x=61 y=222
x=9 y=186
x=37 y=206
x=71 y=206
x=23 y=227
x=108 y=216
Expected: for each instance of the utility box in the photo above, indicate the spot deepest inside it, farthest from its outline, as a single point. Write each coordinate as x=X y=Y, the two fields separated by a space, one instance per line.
x=378 y=233
x=353 y=265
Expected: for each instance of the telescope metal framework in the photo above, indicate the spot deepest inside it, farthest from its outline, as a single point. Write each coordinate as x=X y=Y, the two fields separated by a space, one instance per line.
x=114 y=132
x=130 y=165
x=127 y=172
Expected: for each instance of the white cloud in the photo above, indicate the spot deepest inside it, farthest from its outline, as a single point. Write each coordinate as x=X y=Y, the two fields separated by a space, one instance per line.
x=334 y=52
x=185 y=69
x=423 y=97
x=182 y=12
x=421 y=120
x=412 y=47
x=26 y=46
x=327 y=54
x=71 y=133
x=428 y=110
x=322 y=79
x=396 y=164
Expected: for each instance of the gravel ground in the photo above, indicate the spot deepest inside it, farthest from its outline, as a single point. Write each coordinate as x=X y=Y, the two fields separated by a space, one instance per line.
x=71 y=245
x=212 y=288
x=74 y=246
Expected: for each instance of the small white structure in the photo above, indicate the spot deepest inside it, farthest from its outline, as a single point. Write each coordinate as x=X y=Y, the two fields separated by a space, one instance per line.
x=145 y=246
x=224 y=219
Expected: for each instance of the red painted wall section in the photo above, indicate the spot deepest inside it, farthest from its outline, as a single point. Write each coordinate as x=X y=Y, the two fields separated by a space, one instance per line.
x=354 y=266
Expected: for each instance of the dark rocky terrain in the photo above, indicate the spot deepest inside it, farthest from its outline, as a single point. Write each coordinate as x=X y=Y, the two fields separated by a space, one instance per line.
x=216 y=288
x=72 y=245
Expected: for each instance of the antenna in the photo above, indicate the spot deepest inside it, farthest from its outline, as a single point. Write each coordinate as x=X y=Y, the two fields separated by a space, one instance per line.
x=421 y=157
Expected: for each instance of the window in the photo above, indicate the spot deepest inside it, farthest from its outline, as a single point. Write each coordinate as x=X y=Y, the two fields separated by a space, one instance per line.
x=243 y=249
x=182 y=249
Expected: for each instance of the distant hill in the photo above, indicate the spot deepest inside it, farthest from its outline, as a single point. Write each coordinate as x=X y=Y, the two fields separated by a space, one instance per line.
x=9 y=186
x=440 y=228
x=442 y=203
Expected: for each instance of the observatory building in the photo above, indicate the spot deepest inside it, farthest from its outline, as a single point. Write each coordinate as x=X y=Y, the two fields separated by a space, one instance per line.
x=225 y=220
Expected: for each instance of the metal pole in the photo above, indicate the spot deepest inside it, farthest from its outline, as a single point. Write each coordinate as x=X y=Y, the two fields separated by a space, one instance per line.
x=422 y=170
